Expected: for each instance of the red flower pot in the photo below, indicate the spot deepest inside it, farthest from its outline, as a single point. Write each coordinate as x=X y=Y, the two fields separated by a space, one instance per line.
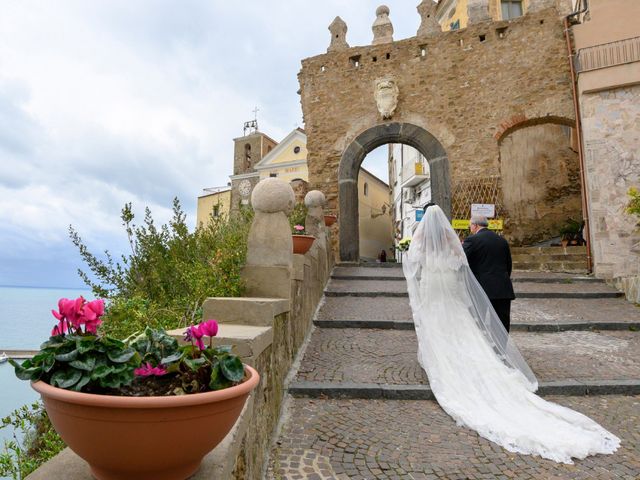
x=302 y=243
x=330 y=220
x=146 y=438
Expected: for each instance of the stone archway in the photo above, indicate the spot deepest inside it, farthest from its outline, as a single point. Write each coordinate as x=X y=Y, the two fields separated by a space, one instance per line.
x=352 y=158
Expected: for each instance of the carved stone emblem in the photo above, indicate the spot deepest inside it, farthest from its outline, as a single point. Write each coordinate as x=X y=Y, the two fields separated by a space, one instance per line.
x=386 y=95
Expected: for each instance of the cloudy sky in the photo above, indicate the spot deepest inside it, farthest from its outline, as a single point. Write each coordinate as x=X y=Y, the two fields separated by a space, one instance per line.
x=104 y=102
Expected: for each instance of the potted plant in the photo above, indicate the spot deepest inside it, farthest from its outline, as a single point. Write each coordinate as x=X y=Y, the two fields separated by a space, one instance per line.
x=145 y=407
x=330 y=219
x=301 y=241
x=571 y=233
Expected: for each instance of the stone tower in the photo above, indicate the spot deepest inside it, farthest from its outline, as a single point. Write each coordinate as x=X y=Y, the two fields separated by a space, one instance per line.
x=248 y=151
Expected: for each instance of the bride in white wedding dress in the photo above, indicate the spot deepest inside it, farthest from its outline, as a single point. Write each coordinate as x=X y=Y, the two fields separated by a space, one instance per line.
x=475 y=371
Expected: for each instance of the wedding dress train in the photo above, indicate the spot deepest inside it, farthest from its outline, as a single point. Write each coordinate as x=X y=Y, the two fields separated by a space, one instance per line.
x=475 y=370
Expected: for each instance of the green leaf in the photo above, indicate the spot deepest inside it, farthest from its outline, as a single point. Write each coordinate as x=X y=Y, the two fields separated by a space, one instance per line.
x=67 y=357
x=87 y=364
x=171 y=358
x=86 y=378
x=232 y=368
x=101 y=372
x=48 y=362
x=218 y=381
x=121 y=356
x=27 y=372
x=194 y=363
x=86 y=344
x=66 y=378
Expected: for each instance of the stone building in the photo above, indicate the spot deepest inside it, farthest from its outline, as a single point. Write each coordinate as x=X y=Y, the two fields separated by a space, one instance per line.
x=490 y=104
x=607 y=44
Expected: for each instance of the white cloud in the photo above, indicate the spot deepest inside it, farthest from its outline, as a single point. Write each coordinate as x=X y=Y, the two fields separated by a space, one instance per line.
x=111 y=101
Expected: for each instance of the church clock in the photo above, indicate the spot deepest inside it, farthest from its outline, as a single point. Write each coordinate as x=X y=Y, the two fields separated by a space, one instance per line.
x=244 y=187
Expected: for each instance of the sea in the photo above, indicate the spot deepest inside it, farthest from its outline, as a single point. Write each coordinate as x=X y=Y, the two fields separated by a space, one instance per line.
x=25 y=322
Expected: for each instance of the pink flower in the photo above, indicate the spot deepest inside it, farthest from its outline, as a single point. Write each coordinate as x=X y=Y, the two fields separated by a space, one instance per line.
x=194 y=333
x=78 y=312
x=299 y=228
x=209 y=328
x=92 y=312
x=147 y=370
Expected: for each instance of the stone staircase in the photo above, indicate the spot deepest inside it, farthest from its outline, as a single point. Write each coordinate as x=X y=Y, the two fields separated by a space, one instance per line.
x=360 y=406
x=550 y=259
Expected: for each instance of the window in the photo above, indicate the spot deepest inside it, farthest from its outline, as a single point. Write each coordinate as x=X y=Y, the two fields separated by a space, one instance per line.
x=273 y=175
x=511 y=9
x=216 y=210
x=296 y=149
x=247 y=157
x=455 y=25
x=366 y=189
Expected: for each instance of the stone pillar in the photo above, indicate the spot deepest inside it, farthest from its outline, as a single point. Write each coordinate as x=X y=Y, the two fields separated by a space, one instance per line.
x=338 y=29
x=314 y=225
x=478 y=11
x=428 y=24
x=270 y=247
x=382 y=27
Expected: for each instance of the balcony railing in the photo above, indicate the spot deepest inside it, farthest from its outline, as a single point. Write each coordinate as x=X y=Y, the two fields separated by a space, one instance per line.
x=608 y=55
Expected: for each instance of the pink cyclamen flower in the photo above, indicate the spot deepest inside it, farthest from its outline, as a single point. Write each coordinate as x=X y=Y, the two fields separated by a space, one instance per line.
x=299 y=228
x=194 y=333
x=209 y=328
x=92 y=312
x=147 y=371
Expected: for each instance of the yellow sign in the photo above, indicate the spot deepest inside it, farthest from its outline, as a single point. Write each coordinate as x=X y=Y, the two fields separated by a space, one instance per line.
x=459 y=224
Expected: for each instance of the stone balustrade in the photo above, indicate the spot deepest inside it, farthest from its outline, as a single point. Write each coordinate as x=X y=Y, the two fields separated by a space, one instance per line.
x=266 y=328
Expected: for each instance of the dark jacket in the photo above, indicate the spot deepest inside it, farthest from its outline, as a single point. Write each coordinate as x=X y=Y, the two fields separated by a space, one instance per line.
x=490 y=261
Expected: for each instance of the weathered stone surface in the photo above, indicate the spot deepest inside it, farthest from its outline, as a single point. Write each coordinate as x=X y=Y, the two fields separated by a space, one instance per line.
x=338 y=29
x=461 y=109
x=382 y=27
x=611 y=124
x=243 y=310
x=266 y=281
x=428 y=23
x=272 y=195
x=410 y=439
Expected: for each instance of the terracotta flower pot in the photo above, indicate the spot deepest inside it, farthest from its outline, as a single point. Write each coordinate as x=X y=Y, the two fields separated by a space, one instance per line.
x=146 y=438
x=302 y=243
x=330 y=220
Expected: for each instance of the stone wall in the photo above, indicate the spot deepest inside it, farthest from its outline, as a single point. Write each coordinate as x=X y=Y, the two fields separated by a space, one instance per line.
x=611 y=125
x=540 y=182
x=467 y=88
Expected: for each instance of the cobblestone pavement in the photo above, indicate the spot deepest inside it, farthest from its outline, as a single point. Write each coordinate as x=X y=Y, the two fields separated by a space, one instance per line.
x=404 y=439
x=380 y=286
x=389 y=356
x=523 y=310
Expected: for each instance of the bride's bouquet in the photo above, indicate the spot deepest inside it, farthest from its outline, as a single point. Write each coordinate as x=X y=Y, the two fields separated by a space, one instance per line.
x=403 y=245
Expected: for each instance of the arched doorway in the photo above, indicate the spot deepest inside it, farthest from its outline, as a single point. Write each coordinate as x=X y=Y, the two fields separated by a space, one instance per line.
x=352 y=158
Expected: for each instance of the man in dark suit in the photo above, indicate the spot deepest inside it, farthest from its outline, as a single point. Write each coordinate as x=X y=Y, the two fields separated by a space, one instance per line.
x=490 y=261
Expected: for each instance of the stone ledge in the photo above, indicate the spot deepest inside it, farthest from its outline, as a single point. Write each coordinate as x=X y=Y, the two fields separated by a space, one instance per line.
x=244 y=311
x=248 y=341
x=69 y=466
x=374 y=391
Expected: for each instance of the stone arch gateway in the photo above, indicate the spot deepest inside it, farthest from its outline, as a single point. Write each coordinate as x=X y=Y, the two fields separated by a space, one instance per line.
x=353 y=157
x=457 y=92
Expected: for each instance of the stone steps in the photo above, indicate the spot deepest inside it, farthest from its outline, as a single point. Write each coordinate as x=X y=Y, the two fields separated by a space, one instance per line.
x=363 y=363
x=384 y=288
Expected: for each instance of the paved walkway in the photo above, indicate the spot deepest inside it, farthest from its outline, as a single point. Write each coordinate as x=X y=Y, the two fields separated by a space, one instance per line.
x=354 y=412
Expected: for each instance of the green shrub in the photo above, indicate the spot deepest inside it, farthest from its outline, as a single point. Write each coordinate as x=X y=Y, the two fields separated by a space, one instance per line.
x=169 y=272
x=34 y=441
x=633 y=207
x=298 y=215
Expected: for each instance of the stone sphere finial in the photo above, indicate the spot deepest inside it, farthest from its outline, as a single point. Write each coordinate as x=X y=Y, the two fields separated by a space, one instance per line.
x=272 y=195
x=382 y=10
x=315 y=198
x=382 y=26
x=338 y=29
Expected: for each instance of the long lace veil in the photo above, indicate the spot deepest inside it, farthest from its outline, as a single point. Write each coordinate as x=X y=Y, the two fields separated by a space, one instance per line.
x=434 y=256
